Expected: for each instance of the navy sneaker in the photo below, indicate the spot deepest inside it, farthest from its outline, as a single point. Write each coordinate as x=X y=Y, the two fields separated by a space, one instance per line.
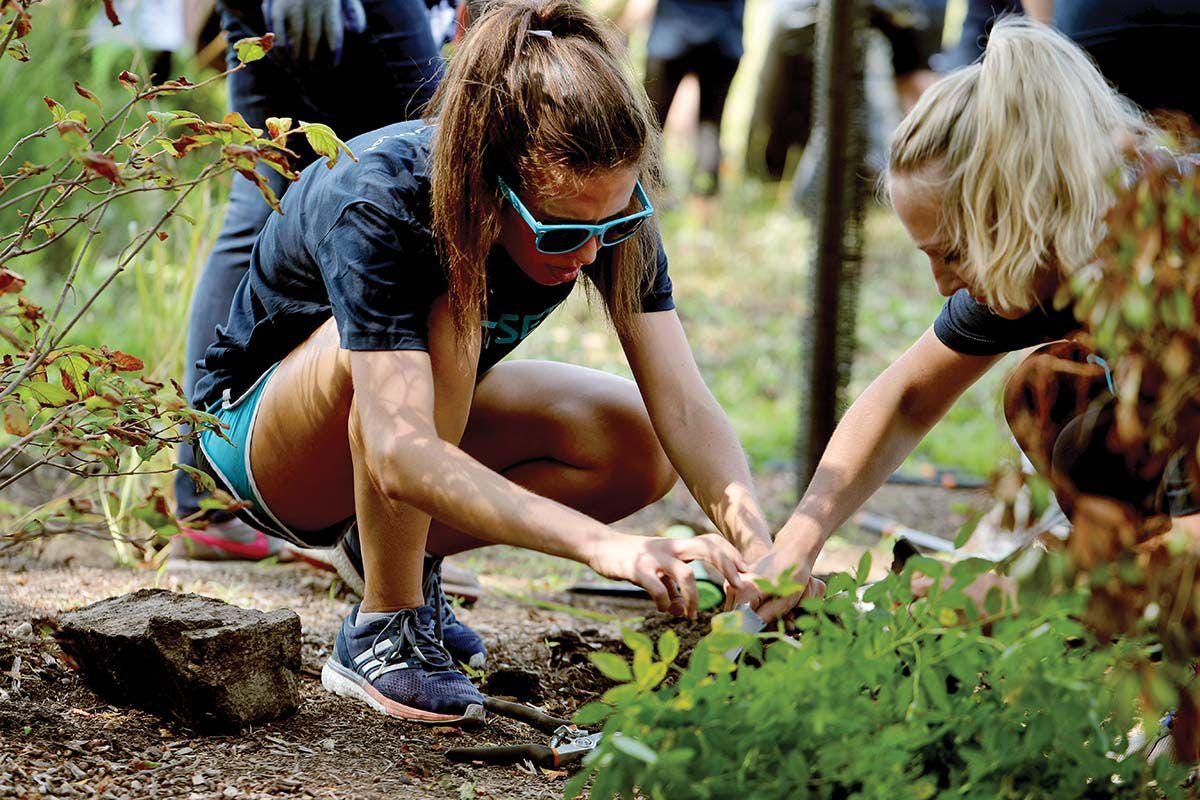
x=397 y=667
x=463 y=643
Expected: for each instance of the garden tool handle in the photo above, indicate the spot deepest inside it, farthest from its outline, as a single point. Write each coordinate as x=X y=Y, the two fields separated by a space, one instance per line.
x=531 y=716
x=539 y=754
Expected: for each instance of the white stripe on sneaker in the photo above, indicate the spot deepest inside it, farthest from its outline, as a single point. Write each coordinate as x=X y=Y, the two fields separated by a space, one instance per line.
x=389 y=668
x=379 y=649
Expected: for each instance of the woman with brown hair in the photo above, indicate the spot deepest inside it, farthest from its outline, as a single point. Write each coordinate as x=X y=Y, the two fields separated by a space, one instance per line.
x=358 y=369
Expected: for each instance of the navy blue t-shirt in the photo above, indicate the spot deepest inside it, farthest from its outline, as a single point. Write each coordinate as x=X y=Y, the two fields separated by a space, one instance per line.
x=972 y=328
x=356 y=242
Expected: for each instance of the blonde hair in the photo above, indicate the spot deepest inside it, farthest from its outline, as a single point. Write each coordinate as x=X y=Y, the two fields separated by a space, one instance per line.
x=1023 y=145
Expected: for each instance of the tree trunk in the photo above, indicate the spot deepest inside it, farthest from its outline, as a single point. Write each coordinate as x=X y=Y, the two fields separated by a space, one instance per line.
x=836 y=205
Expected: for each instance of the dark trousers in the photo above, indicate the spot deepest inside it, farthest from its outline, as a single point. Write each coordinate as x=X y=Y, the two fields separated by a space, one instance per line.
x=714 y=71
x=386 y=74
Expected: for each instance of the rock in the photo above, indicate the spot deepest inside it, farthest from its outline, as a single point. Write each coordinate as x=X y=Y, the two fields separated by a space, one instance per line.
x=213 y=666
x=23 y=631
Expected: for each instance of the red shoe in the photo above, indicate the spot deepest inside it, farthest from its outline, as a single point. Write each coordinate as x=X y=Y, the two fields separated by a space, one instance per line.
x=232 y=540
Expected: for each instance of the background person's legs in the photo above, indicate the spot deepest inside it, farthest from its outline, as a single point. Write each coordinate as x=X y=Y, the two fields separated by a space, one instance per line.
x=715 y=73
x=662 y=81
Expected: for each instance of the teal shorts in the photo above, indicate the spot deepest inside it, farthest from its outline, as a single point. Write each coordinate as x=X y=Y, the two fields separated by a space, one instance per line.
x=227 y=460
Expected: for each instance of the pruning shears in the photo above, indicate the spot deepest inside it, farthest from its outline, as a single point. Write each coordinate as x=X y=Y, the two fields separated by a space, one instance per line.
x=567 y=743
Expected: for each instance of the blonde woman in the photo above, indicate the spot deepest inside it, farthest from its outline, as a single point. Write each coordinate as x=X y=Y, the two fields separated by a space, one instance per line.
x=1000 y=176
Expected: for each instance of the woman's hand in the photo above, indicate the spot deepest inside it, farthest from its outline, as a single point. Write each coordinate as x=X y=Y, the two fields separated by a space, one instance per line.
x=774 y=565
x=660 y=566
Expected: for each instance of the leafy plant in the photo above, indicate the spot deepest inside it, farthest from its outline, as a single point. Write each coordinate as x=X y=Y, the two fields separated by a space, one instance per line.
x=887 y=697
x=83 y=409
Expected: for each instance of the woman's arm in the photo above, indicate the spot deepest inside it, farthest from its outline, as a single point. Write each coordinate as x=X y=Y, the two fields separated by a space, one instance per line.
x=877 y=433
x=694 y=430
x=409 y=459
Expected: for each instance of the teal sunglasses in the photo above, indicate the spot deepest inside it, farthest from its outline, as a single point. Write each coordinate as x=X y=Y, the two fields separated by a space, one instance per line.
x=563 y=238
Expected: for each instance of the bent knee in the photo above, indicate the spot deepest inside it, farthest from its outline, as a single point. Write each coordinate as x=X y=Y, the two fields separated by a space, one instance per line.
x=618 y=441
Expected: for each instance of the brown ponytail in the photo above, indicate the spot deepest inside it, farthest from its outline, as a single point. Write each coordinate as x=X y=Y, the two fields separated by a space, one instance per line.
x=541 y=112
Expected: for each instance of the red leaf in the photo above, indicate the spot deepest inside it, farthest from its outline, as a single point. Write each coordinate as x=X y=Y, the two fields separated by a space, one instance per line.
x=69 y=126
x=69 y=383
x=185 y=144
x=128 y=79
x=21 y=23
x=56 y=108
x=29 y=310
x=102 y=165
x=162 y=235
x=111 y=12
x=16 y=421
x=264 y=188
x=128 y=435
x=123 y=362
x=10 y=282
x=86 y=94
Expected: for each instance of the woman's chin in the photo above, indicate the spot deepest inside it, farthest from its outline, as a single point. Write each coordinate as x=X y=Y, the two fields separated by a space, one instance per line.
x=558 y=275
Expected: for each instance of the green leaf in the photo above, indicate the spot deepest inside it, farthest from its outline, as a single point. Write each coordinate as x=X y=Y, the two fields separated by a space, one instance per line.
x=636 y=640
x=49 y=395
x=864 y=568
x=642 y=659
x=968 y=528
x=926 y=566
x=634 y=748
x=612 y=666
x=213 y=504
x=592 y=713
x=651 y=676
x=325 y=142
x=253 y=48
x=57 y=110
x=620 y=695
x=200 y=479
x=967 y=570
x=668 y=646
x=97 y=402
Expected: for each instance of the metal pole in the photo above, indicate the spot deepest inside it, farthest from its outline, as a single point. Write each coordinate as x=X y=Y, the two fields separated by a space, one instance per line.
x=837 y=210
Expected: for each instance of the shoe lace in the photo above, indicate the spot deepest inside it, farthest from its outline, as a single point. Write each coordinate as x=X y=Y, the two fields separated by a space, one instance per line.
x=412 y=638
x=434 y=596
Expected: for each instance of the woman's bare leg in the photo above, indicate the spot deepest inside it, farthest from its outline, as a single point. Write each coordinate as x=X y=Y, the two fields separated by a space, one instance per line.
x=577 y=435
x=307 y=458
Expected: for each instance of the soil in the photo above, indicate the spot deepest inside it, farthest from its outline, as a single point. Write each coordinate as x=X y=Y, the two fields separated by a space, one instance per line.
x=58 y=739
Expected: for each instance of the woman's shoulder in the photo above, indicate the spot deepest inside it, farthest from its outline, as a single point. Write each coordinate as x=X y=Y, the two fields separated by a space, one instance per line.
x=387 y=168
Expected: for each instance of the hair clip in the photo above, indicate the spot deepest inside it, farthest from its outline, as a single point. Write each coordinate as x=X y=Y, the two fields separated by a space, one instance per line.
x=544 y=34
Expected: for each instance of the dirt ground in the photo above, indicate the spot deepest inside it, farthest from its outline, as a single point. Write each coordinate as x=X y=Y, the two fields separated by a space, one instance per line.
x=58 y=739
